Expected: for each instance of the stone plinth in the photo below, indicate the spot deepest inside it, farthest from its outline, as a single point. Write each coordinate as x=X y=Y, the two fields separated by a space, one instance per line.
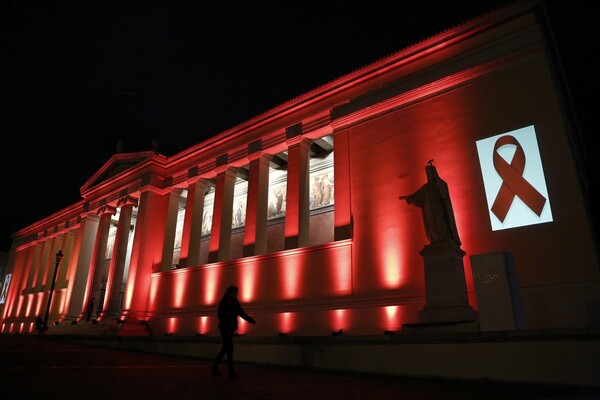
x=446 y=298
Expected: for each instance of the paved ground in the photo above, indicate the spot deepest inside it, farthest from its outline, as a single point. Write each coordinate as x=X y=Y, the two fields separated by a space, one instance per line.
x=33 y=367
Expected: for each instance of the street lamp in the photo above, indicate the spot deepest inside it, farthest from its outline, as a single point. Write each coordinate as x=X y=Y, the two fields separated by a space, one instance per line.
x=59 y=256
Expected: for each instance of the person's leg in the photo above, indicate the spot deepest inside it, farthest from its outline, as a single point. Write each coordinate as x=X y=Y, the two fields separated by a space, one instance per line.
x=217 y=361
x=228 y=345
x=221 y=354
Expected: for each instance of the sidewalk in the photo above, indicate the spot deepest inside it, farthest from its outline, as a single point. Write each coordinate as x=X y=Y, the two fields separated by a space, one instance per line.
x=33 y=367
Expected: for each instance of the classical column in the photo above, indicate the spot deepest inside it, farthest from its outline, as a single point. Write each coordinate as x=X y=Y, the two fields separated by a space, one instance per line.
x=220 y=237
x=192 y=224
x=99 y=255
x=51 y=273
x=53 y=245
x=145 y=253
x=64 y=243
x=22 y=282
x=117 y=263
x=67 y=249
x=341 y=167
x=42 y=268
x=255 y=230
x=35 y=263
x=83 y=250
x=170 y=230
x=297 y=211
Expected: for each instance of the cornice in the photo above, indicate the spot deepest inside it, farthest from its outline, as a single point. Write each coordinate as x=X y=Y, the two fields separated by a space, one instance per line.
x=451 y=82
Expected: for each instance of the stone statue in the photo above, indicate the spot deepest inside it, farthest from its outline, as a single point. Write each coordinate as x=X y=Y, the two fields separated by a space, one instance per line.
x=434 y=200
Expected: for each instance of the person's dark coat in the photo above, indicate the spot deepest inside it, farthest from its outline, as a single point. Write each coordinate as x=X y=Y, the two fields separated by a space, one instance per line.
x=229 y=310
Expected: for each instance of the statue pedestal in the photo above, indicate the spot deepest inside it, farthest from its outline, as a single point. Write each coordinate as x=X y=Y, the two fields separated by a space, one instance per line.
x=446 y=300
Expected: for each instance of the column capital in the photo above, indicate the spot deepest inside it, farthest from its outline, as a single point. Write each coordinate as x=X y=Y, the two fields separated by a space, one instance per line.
x=90 y=216
x=226 y=170
x=175 y=191
x=260 y=156
x=127 y=201
x=298 y=141
x=106 y=210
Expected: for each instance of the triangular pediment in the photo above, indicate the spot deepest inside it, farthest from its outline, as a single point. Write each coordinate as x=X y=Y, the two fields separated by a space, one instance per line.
x=117 y=164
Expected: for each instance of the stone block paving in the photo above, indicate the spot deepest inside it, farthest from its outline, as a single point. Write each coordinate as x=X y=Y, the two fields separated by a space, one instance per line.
x=42 y=367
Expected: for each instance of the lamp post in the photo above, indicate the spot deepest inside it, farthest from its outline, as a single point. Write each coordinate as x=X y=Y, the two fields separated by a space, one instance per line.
x=59 y=256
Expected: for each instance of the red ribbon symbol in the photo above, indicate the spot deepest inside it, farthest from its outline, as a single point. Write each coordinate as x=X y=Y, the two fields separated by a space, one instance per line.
x=513 y=183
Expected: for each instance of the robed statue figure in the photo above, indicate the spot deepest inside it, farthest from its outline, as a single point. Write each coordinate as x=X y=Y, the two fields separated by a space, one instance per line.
x=434 y=200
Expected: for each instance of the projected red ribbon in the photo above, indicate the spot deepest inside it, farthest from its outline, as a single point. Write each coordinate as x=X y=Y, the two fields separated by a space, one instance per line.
x=513 y=183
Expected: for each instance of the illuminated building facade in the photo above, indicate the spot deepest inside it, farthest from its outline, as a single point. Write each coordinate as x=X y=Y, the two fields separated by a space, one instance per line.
x=300 y=206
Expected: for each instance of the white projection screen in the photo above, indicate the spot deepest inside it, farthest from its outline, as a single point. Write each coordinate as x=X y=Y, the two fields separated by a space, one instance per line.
x=513 y=177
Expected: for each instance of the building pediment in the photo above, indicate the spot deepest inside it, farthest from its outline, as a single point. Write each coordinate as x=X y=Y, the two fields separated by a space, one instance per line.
x=116 y=165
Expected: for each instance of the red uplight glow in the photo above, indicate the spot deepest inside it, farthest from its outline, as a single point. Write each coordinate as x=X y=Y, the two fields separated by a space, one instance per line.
x=242 y=326
x=64 y=306
x=286 y=322
x=39 y=303
x=173 y=324
x=154 y=285
x=391 y=317
x=390 y=254
x=203 y=324
x=291 y=271
x=248 y=273
x=212 y=277
x=341 y=268
x=29 y=302
x=339 y=320
x=180 y=288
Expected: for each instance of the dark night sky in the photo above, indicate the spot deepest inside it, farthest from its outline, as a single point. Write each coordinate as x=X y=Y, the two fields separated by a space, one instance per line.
x=71 y=71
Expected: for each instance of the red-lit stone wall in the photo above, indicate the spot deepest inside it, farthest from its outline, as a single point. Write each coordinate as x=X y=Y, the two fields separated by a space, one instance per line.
x=362 y=271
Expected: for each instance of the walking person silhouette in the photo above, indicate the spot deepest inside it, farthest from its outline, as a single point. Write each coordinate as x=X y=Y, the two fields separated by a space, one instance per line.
x=229 y=310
